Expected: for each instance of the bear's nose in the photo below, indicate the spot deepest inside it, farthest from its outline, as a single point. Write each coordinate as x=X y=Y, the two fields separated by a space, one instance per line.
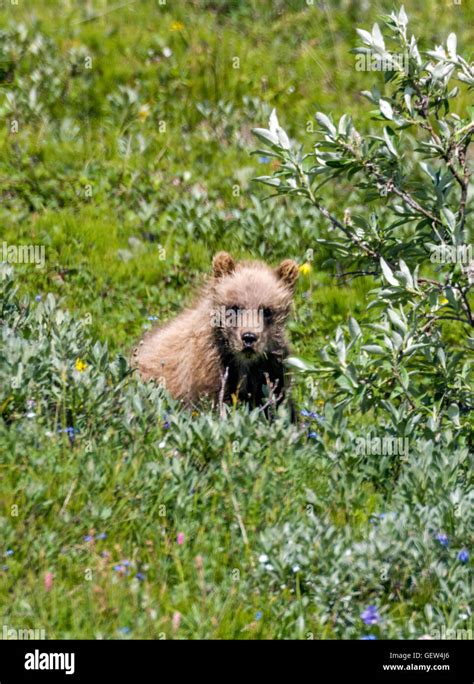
x=249 y=339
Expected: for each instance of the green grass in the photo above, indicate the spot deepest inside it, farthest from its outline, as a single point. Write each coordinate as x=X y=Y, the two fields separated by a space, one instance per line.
x=93 y=176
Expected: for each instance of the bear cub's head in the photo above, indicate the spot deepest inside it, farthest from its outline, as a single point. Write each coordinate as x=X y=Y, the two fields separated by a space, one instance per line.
x=250 y=304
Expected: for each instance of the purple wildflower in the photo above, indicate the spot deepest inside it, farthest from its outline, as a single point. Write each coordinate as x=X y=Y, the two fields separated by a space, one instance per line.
x=443 y=539
x=370 y=615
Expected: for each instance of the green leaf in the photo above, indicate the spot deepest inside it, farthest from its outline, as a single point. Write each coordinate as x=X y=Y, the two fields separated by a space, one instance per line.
x=388 y=274
x=450 y=218
x=373 y=349
x=354 y=328
x=402 y=17
x=298 y=364
x=386 y=109
x=406 y=272
x=326 y=123
x=268 y=180
x=453 y=413
x=377 y=37
x=396 y=320
x=345 y=124
x=366 y=36
x=266 y=136
x=452 y=45
x=390 y=145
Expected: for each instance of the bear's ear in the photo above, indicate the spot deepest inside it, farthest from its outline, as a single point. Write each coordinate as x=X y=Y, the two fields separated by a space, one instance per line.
x=288 y=272
x=222 y=264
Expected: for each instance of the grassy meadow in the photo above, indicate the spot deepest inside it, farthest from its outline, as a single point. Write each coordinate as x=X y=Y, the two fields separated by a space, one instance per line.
x=126 y=144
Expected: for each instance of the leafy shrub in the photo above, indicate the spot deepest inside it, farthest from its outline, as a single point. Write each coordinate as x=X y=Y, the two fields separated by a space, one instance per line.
x=404 y=364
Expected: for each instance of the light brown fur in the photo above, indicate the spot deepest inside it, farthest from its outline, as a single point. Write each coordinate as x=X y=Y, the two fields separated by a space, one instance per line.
x=191 y=354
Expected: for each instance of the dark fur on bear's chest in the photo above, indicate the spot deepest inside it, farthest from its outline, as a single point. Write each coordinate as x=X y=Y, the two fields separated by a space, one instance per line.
x=259 y=383
x=253 y=382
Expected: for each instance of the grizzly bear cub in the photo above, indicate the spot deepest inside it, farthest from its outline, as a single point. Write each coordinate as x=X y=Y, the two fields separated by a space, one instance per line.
x=231 y=344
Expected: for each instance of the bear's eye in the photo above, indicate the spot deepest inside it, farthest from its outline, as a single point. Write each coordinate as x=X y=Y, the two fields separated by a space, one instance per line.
x=267 y=315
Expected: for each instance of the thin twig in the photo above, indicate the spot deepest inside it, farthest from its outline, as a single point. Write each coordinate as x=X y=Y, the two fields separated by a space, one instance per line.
x=68 y=497
x=221 y=393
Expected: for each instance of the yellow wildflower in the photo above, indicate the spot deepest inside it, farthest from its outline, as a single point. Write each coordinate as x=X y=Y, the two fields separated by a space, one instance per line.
x=177 y=26
x=306 y=268
x=80 y=365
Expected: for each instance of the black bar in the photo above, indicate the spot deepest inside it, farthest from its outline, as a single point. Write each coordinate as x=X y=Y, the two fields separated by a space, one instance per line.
x=152 y=661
